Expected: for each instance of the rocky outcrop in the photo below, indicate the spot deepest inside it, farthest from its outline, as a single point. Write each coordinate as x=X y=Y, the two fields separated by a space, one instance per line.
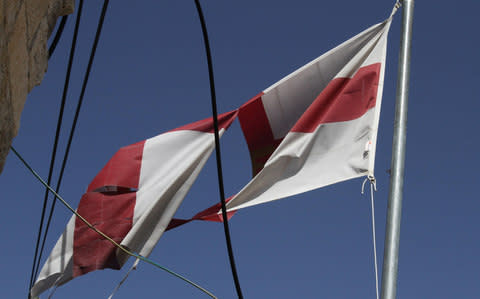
x=25 y=26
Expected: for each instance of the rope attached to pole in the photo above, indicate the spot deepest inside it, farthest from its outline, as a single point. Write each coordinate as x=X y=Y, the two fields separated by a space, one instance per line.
x=372 y=185
x=123 y=249
x=217 y=151
x=373 y=188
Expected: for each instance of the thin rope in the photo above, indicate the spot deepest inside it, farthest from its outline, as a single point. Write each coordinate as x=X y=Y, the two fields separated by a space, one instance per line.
x=397 y=5
x=133 y=267
x=57 y=37
x=77 y=112
x=37 y=257
x=123 y=249
x=373 y=187
x=55 y=286
x=217 y=151
x=52 y=292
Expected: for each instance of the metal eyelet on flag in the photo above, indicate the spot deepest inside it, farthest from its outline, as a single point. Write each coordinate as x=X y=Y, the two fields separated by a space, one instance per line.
x=372 y=180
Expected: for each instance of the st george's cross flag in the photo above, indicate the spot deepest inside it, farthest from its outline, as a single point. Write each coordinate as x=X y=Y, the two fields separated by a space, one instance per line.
x=315 y=127
x=132 y=200
x=318 y=125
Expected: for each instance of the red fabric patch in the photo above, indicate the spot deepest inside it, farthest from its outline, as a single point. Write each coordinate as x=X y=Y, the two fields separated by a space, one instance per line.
x=123 y=169
x=112 y=215
x=177 y=222
x=206 y=125
x=257 y=131
x=209 y=214
x=343 y=99
x=108 y=205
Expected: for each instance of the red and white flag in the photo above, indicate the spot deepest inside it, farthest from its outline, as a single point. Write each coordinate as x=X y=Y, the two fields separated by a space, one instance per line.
x=315 y=127
x=318 y=125
x=132 y=200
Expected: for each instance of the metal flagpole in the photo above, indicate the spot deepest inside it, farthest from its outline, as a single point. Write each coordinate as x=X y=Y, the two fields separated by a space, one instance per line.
x=394 y=210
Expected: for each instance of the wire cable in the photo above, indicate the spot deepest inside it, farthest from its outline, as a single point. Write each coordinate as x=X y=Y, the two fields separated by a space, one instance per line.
x=77 y=112
x=57 y=37
x=123 y=249
x=37 y=257
x=217 y=151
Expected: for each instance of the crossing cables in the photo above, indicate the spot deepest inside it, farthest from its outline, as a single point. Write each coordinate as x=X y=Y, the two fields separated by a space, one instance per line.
x=92 y=227
x=37 y=260
x=38 y=253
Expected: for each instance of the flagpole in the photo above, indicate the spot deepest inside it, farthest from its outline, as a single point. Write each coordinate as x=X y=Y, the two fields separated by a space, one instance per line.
x=394 y=210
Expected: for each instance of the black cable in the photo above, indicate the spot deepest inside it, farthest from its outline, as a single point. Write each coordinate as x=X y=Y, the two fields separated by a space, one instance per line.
x=56 y=39
x=217 y=152
x=37 y=258
x=79 y=105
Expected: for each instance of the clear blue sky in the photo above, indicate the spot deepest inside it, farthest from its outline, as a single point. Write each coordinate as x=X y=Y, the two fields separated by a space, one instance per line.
x=150 y=75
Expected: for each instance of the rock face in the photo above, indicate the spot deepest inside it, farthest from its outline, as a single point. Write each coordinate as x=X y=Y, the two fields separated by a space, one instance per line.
x=25 y=26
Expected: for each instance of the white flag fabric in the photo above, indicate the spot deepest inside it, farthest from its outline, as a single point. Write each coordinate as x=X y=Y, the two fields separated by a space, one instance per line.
x=132 y=200
x=317 y=126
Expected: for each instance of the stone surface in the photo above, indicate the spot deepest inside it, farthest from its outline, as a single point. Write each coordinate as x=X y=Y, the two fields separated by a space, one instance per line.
x=25 y=26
